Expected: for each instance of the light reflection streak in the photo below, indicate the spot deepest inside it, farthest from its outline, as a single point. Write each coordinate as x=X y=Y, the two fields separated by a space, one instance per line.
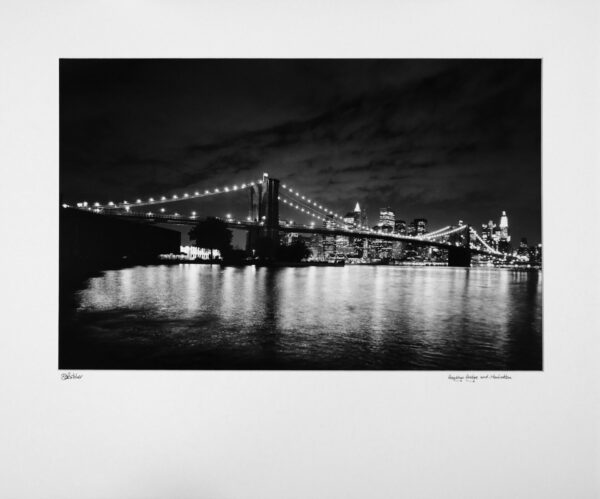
x=328 y=316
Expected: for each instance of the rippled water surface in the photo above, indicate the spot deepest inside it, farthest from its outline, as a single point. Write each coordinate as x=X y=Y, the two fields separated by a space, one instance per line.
x=354 y=317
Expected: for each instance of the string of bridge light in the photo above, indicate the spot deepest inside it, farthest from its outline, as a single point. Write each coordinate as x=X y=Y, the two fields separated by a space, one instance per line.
x=166 y=199
x=311 y=212
x=489 y=248
x=452 y=231
x=308 y=208
x=361 y=230
x=435 y=232
x=314 y=205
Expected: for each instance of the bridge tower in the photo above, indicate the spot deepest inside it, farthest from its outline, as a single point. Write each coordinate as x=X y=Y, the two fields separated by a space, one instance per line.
x=460 y=256
x=264 y=209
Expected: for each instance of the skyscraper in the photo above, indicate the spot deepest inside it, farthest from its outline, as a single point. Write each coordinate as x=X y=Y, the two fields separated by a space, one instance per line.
x=387 y=219
x=487 y=233
x=400 y=227
x=360 y=216
x=329 y=246
x=504 y=227
x=504 y=242
x=419 y=226
x=349 y=220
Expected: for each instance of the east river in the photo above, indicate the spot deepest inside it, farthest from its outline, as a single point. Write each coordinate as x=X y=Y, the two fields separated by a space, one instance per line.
x=192 y=316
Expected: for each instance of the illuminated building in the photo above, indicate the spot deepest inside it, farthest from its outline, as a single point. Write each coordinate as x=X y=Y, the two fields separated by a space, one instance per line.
x=360 y=216
x=487 y=233
x=387 y=220
x=349 y=220
x=504 y=224
x=352 y=247
x=504 y=236
x=523 y=250
x=329 y=246
x=315 y=245
x=400 y=227
x=418 y=227
x=383 y=249
x=194 y=253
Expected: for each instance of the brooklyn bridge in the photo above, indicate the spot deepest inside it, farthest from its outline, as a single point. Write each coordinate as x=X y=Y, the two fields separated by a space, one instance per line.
x=263 y=220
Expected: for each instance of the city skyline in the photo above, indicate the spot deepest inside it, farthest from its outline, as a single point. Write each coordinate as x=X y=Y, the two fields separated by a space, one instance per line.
x=443 y=140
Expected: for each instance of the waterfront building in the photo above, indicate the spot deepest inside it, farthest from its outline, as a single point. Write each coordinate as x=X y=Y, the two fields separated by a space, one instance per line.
x=195 y=253
x=315 y=245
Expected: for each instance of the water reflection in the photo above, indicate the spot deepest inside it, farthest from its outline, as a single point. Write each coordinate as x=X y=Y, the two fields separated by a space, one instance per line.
x=203 y=316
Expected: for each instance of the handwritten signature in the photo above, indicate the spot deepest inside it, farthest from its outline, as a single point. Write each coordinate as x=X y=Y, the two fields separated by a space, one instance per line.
x=472 y=378
x=65 y=376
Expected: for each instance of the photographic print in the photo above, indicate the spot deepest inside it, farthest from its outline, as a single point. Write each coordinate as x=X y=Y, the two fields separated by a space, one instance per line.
x=294 y=214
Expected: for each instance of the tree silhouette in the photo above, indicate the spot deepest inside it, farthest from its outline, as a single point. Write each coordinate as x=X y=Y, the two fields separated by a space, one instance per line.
x=212 y=233
x=295 y=252
x=266 y=249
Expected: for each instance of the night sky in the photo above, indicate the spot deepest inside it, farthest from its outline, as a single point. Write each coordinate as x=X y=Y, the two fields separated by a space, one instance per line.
x=439 y=139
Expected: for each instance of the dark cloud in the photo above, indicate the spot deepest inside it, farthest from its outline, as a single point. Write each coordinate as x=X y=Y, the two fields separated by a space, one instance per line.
x=444 y=140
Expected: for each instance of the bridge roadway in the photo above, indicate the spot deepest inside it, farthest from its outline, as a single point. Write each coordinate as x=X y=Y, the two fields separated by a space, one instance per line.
x=300 y=229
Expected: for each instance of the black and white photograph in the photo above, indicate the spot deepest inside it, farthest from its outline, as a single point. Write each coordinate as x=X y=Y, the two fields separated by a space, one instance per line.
x=323 y=214
x=296 y=250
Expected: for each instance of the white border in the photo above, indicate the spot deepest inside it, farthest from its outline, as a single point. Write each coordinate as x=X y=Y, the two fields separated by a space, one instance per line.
x=298 y=434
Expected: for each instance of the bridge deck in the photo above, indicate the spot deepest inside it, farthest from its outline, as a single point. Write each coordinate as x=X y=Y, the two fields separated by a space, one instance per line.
x=300 y=229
